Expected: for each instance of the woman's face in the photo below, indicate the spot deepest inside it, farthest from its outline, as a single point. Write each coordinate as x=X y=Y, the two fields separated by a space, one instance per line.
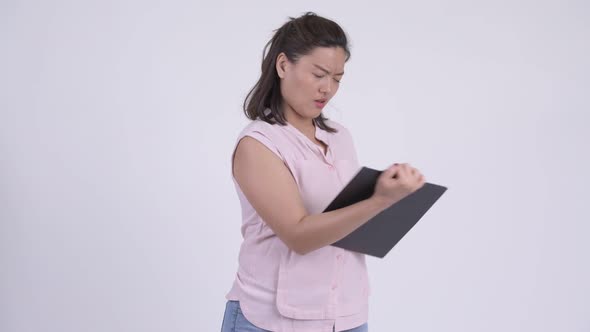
x=309 y=84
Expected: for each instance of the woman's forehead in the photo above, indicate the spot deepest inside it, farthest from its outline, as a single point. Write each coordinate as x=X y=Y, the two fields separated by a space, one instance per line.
x=329 y=58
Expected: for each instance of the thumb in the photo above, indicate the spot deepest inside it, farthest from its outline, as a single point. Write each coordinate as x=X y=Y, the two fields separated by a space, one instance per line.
x=391 y=171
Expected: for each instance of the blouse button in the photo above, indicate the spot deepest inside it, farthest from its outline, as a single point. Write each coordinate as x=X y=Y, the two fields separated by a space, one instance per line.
x=330 y=167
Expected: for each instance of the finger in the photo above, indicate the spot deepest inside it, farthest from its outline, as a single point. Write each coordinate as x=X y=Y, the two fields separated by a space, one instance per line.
x=403 y=171
x=422 y=181
x=408 y=168
x=391 y=171
x=417 y=174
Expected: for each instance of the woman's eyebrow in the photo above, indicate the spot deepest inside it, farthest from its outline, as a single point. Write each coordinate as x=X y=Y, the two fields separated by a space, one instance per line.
x=327 y=71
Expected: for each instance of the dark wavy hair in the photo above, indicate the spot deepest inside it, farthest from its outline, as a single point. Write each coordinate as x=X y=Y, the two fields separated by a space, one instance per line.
x=297 y=37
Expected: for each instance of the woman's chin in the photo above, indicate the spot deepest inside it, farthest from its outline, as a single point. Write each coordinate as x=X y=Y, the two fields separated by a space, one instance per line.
x=310 y=113
x=315 y=113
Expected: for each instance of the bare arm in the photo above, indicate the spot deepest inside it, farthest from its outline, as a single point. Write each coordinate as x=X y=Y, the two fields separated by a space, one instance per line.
x=270 y=188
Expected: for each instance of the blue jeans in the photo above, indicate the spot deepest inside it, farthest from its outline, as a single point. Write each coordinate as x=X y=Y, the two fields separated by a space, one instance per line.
x=234 y=321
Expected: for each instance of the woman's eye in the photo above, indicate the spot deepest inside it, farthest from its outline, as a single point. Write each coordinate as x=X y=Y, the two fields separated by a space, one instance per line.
x=320 y=76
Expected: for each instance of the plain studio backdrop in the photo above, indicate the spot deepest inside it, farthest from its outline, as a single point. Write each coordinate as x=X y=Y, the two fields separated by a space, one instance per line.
x=118 y=119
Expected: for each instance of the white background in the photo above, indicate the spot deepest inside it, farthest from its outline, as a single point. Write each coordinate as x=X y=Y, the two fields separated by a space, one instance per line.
x=118 y=119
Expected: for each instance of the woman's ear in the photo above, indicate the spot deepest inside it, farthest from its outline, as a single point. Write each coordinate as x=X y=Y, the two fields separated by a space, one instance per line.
x=281 y=64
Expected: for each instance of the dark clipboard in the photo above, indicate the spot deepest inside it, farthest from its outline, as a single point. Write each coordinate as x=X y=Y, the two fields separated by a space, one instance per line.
x=381 y=233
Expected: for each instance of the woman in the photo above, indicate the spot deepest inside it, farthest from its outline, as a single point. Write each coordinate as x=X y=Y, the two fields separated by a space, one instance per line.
x=288 y=164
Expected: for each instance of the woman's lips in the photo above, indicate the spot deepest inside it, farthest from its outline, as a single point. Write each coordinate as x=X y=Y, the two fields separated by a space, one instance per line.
x=320 y=103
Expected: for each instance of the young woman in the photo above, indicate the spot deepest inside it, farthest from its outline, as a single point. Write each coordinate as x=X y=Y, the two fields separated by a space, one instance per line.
x=289 y=162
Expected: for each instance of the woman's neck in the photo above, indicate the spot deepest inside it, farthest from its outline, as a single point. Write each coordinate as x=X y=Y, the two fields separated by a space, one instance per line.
x=304 y=125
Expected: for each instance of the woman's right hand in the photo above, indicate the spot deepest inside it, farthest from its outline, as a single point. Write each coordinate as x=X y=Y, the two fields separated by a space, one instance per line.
x=397 y=182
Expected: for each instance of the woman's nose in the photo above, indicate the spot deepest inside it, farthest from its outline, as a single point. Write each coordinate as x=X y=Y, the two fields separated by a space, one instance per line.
x=326 y=87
